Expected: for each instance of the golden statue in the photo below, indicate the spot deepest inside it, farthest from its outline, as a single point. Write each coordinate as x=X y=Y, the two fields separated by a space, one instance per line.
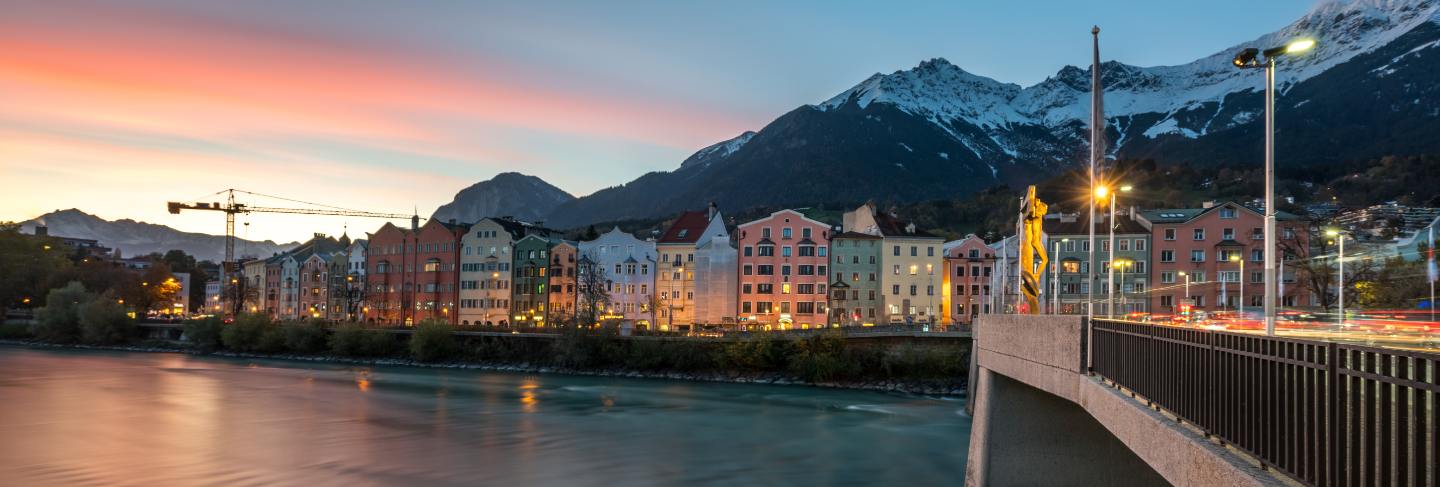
x=1032 y=250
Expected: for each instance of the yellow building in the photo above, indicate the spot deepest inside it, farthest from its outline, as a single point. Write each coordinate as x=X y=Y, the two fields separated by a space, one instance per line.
x=911 y=266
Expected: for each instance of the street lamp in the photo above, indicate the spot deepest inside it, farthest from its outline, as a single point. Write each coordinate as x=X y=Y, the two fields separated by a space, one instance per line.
x=1246 y=59
x=1186 y=275
x=1055 y=278
x=1237 y=258
x=1340 y=262
x=1123 y=264
x=1110 y=278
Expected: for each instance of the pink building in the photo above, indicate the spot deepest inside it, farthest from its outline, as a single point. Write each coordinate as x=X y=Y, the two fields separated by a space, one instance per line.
x=969 y=264
x=1197 y=244
x=783 y=271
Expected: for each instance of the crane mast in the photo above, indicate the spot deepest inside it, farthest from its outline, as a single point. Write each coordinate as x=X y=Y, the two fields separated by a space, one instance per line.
x=229 y=267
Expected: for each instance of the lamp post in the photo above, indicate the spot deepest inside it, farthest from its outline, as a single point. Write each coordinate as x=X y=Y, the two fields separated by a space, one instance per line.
x=1246 y=59
x=1186 y=275
x=1236 y=258
x=1055 y=278
x=1124 y=264
x=680 y=272
x=1340 y=262
x=1100 y=193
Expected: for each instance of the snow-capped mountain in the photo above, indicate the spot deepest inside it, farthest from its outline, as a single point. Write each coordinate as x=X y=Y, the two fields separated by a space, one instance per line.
x=134 y=238
x=1371 y=87
x=717 y=151
x=947 y=95
x=507 y=194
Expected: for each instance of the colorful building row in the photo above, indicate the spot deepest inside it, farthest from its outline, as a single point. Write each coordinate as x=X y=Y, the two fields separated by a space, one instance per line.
x=786 y=270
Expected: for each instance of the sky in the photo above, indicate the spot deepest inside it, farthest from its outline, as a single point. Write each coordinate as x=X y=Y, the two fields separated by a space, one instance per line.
x=116 y=107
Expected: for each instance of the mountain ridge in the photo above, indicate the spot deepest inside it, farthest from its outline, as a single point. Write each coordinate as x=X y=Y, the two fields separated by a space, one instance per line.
x=134 y=238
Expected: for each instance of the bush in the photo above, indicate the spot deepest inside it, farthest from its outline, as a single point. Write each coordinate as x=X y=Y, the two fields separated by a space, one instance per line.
x=272 y=340
x=204 y=335
x=248 y=333
x=103 y=321
x=59 y=320
x=353 y=341
x=15 y=331
x=583 y=349
x=433 y=341
x=308 y=337
x=763 y=353
x=821 y=358
x=924 y=362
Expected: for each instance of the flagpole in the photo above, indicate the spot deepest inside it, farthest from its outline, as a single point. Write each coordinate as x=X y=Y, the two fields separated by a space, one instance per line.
x=1095 y=133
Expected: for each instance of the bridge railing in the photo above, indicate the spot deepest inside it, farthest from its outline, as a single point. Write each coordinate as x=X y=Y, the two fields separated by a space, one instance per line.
x=1323 y=413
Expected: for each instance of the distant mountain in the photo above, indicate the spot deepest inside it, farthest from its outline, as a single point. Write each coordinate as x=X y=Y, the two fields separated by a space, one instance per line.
x=134 y=238
x=1370 y=88
x=507 y=194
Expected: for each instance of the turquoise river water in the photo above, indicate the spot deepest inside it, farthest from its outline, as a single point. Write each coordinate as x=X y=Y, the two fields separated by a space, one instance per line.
x=112 y=418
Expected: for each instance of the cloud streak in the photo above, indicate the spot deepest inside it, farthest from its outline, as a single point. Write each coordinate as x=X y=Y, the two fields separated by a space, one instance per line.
x=100 y=94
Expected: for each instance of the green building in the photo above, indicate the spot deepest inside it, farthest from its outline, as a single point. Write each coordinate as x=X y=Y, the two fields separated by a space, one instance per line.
x=855 y=297
x=531 y=288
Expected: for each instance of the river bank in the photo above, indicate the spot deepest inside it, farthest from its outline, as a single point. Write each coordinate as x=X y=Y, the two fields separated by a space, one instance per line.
x=938 y=388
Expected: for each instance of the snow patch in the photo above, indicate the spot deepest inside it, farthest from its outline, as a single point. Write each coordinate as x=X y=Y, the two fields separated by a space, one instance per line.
x=944 y=156
x=907 y=147
x=1169 y=126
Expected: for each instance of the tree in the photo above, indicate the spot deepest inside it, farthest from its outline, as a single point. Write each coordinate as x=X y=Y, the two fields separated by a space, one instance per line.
x=59 y=320
x=594 y=290
x=158 y=286
x=1316 y=271
x=29 y=266
x=103 y=321
x=654 y=302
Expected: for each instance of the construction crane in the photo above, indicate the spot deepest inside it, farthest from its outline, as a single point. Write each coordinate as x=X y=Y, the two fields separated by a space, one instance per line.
x=231 y=208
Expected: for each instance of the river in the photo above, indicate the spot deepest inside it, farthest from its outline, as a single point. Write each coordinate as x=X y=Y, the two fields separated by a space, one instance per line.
x=104 y=418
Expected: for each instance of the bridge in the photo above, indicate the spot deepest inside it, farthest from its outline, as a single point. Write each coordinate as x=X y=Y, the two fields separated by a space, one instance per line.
x=1058 y=400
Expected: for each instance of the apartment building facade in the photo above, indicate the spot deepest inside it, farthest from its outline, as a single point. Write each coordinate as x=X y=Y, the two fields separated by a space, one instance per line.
x=784 y=272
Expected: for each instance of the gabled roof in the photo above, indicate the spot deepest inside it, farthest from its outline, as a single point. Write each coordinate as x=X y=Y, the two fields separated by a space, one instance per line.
x=797 y=214
x=1182 y=215
x=891 y=226
x=688 y=228
x=1081 y=226
x=518 y=229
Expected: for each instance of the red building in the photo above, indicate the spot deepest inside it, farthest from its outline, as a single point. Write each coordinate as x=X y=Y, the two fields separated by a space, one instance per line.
x=413 y=275
x=783 y=271
x=1209 y=247
x=969 y=265
x=562 y=282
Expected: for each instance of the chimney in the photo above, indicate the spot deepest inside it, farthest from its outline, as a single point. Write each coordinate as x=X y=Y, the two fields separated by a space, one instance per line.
x=711 y=211
x=1207 y=205
x=42 y=231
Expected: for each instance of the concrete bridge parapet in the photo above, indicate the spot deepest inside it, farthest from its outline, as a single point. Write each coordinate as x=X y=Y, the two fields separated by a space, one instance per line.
x=1041 y=419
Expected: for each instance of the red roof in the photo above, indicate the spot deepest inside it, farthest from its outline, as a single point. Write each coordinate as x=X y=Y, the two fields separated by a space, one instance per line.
x=686 y=229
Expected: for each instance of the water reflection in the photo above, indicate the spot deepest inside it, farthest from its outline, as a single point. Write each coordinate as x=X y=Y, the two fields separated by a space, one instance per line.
x=161 y=419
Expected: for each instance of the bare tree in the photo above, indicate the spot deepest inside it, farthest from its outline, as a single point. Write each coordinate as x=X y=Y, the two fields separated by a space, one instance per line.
x=593 y=288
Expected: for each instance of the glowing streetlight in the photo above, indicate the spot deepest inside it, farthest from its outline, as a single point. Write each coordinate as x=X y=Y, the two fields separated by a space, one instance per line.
x=1246 y=59
x=1110 y=278
x=1340 y=262
x=1236 y=258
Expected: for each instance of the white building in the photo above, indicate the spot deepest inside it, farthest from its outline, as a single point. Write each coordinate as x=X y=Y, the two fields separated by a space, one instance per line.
x=678 y=248
x=629 y=267
x=716 y=281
